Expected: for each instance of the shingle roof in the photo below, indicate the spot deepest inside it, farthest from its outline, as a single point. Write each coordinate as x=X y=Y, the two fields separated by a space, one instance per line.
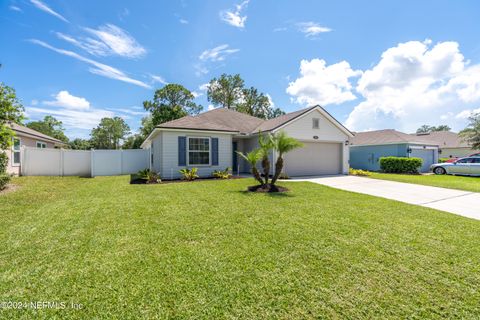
x=222 y=119
x=387 y=136
x=274 y=123
x=25 y=130
x=445 y=139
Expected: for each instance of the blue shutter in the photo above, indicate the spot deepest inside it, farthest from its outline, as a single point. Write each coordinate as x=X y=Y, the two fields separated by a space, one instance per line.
x=214 y=151
x=182 y=151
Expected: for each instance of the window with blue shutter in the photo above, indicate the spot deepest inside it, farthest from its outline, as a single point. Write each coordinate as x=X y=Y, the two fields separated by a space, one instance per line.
x=214 y=151
x=182 y=151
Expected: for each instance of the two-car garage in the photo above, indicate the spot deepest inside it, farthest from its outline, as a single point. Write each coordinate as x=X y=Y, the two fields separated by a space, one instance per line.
x=314 y=158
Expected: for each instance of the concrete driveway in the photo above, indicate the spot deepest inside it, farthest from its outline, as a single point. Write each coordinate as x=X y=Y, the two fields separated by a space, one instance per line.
x=459 y=202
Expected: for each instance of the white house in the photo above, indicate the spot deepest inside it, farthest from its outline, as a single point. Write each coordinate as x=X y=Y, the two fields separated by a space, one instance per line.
x=209 y=142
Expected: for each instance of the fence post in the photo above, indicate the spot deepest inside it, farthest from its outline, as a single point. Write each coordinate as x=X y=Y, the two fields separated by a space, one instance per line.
x=121 y=161
x=62 y=162
x=92 y=163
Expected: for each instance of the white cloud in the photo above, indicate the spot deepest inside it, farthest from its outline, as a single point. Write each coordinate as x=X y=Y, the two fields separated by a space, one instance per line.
x=417 y=83
x=217 y=54
x=183 y=21
x=131 y=112
x=74 y=112
x=465 y=114
x=159 y=79
x=204 y=86
x=234 y=17
x=312 y=29
x=272 y=104
x=211 y=107
x=15 y=8
x=118 y=41
x=42 y=6
x=107 y=40
x=322 y=84
x=98 y=68
x=65 y=100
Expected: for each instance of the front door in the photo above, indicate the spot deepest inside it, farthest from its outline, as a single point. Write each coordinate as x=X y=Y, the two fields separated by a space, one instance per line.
x=235 y=156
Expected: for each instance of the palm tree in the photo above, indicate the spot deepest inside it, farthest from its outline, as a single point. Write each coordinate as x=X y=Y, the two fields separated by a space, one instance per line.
x=252 y=158
x=266 y=145
x=282 y=144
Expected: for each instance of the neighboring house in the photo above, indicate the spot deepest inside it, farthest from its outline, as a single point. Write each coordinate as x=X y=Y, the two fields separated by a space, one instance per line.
x=209 y=141
x=366 y=148
x=29 y=138
x=450 y=143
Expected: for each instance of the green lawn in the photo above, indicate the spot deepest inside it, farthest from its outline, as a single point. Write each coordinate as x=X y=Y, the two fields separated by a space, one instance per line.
x=443 y=181
x=207 y=250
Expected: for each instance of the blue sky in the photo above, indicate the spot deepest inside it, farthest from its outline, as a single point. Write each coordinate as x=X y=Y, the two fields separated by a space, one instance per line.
x=372 y=64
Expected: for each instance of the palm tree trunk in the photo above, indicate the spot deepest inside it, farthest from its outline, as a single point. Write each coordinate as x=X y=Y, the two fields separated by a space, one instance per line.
x=278 y=170
x=266 y=168
x=256 y=175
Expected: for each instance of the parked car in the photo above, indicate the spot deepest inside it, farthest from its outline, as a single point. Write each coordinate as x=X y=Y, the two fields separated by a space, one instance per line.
x=455 y=159
x=469 y=166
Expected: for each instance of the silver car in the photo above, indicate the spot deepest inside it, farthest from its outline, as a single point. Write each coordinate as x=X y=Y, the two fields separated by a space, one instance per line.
x=465 y=166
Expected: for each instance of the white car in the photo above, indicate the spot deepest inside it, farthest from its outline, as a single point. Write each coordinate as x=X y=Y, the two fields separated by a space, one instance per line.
x=469 y=166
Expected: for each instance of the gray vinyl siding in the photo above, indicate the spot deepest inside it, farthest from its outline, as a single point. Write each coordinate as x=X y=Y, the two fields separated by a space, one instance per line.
x=169 y=150
x=157 y=153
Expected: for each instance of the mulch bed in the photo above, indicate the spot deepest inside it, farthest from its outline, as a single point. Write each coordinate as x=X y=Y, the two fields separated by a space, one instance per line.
x=267 y=189
x=142 y=181
x=9 y=188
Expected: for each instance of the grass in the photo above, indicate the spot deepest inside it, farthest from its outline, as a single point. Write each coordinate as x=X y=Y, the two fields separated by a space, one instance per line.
x=444 y=181
x=208 y=250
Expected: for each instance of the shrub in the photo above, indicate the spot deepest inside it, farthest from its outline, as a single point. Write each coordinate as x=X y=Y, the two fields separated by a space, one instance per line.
x=400 y=164
x=3 y=162
x=149 y=176
x=359 y=172
x=443 y=160
x=222 y=174
x=4 y=180
x=189 y=174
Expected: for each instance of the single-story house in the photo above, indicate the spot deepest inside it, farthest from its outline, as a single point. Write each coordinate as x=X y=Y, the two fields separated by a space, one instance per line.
x=366 y=149
x=450 y=143
x=29 y=138
x=209 y=142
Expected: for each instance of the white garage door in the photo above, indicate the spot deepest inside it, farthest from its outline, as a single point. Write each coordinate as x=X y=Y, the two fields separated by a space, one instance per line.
x=315 y=158
x=427 y=156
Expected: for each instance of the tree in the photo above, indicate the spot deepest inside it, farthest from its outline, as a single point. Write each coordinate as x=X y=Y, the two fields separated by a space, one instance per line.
x=252 y=158
x=11 y=110
x=282 y=144
x=49 y=126
x=171 y=102
x=226 y=91
x=471 y=134
x=229 y=92
x=427 y=129
x=266 y=145
x=109 y=132
x=133 y=142
x=80 y=144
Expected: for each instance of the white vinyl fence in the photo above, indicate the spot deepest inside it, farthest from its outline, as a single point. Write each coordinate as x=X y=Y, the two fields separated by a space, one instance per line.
x=88 y=163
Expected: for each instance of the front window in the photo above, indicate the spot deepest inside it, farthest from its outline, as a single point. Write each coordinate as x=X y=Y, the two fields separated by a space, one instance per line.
x=41 y=145
x=198 y=151
x=16 y=151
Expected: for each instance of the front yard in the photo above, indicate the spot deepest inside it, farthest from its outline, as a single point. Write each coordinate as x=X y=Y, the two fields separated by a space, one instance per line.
x=208 y=250
x=443 y=181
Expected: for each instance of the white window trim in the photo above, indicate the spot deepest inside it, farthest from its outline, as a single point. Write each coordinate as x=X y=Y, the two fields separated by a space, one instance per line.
x=318 y=122
x=42 y=143
x=13 y=163
x=209 y=152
